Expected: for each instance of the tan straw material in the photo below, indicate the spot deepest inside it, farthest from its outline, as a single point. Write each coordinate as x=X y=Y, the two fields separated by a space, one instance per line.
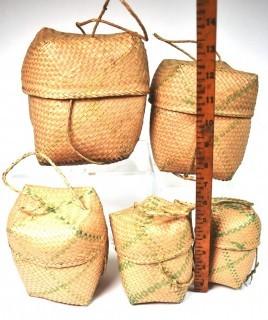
x=173 y=118
x=153 y=240
x=100 y=80
x=58 y=238
x=235 y=239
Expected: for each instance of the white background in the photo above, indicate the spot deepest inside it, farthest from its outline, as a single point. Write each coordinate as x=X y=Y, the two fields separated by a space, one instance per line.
x=242 y=42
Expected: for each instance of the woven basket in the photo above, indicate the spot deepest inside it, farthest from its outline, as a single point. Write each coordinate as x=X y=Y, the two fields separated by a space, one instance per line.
x=87 y=93
x=153 y=240
x=58 y=238
x=173 y=117
x=235 y=238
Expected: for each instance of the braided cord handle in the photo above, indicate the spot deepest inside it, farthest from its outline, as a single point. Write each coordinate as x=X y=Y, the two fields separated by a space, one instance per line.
x=173 y=44
x=57 y=169
x=100 y=20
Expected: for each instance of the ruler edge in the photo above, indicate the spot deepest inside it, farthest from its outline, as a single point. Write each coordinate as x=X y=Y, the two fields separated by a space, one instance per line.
x=204 y=274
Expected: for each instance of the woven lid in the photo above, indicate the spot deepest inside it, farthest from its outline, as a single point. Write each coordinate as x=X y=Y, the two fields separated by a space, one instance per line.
x=236 y=226
x=174 y=88
x=71 y=66
x=47 y=226
x=152 y=231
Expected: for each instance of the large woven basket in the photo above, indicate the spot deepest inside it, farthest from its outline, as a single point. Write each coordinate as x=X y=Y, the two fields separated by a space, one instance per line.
x=173 y=117
x=58 y=238
x=87 y=93
x=235 y=239
x=153 y=240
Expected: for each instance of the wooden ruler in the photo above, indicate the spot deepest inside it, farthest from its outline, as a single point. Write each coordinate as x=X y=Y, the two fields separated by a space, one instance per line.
x=206 y=67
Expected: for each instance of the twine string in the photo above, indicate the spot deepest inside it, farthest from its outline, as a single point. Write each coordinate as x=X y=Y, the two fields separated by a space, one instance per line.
x=174 y=42
x=70 y=140
x=174 y=283
x=100 y=20
x=254 y=270
x=79 y=24
x=57 y=169
x=188 y=176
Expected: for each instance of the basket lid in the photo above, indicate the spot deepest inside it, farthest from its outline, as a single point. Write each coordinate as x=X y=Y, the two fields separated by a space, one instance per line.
x=235 y=225
x=48 y=227
x=153 y=231
x=62 y=65
x=174 y=88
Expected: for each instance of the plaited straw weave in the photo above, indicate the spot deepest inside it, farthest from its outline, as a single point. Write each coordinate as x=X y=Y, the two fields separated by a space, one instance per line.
x=173 y=118
x=236 y=237
x=87 y=93
x=58 y=238
x=153 y=240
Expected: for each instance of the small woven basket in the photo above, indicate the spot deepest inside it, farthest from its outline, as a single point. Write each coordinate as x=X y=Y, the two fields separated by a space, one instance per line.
x=153 y=240
x=235 y=239
x=87 y=93
x=173 y=117
x=59 y=242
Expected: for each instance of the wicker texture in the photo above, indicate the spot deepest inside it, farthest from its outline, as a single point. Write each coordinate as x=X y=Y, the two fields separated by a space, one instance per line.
x=173 y=96
x=59 y=241
x=106 y=77
x=153 y=240
x=61 y=65
x=103 y=129
x=235 y=238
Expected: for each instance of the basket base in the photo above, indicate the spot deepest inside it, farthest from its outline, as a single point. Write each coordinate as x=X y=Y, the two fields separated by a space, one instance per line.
x=103 y=130
x=231 y=268
x=71 y=285
x=174 y=144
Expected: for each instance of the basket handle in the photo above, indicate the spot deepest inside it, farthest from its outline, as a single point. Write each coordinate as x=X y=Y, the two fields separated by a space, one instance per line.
x=173 y=44
x=57 y=169
x=99 y=20
x=70 y=140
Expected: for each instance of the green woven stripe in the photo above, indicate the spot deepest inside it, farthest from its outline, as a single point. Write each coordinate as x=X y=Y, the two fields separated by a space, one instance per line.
x=231 y=98
x=232 y=125
x=64 y=286
x=53 y=211
x=143 y=234
x=231 y=267
x=125 y=265
x=240 y=93
x=251 y=218
x=140 y=296
x=235 y=262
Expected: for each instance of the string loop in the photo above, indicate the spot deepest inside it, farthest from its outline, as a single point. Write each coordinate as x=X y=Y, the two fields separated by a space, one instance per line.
x=100 y=20
x=69 y=135
x=174 y=42
x=41 y=155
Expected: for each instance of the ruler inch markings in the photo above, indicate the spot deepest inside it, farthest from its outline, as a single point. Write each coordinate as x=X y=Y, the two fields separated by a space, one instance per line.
x=206 y=68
